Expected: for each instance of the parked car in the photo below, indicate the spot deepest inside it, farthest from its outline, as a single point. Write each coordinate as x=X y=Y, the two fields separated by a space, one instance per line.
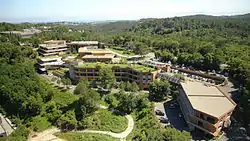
x=163 y=120
x=180 y=115
x=172 y=106
x=159 y=112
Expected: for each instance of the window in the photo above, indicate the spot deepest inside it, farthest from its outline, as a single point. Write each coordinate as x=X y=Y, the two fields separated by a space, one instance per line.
x=201 y=116
x=200 y=124
x=211 y=120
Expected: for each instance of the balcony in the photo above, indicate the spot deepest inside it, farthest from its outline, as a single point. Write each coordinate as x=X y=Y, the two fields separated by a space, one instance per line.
x=203 y=128
x=206 y=125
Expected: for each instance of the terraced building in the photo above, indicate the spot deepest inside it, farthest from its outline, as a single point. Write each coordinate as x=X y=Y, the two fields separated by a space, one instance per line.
x=140 y=74
x=52 y=47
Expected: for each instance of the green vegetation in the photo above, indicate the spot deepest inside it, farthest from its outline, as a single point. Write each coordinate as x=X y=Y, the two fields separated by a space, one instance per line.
x=31 y=101
x=127 y=86
x=64 y=99
x=106 y=78
x=39 y=123
x=20 y=134
x=66 y=81
x=179 y=76
x=122 y=51
x=59 y=73
x=136 y=67
x=105 y=120
x=159 y=90
x=201 y=42
x=87 y=102
x=146 y=125
x=147 y=128
x=70 y=136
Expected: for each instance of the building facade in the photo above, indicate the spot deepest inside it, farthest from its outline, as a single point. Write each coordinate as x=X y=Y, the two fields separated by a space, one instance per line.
x=205 y=107
x=124 y=73
x=52 y=47
x=51 y=63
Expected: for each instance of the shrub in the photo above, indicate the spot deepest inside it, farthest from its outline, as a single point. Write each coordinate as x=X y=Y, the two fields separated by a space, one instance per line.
x=40 y=123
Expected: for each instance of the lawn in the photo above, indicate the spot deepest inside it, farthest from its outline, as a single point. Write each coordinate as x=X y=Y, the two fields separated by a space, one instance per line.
x=70 y=136
x=64 y=98
x=122 y=51
x=106 y=121
x=136 y=67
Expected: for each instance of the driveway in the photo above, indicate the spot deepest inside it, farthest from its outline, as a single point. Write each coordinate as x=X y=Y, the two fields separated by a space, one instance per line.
x=160 y=106
x=172 y=114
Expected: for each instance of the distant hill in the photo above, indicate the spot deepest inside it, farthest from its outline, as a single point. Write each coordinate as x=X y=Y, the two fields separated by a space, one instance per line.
x=237 y=24
x=168 y=24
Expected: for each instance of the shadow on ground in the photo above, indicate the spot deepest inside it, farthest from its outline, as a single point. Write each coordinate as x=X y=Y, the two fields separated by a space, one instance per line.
x=173 y=116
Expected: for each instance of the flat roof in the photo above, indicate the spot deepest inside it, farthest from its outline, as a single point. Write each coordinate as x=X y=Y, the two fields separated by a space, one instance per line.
x=54 y=41
x=99 y=56
x=83 y=50
x=52 y=45
x=207 y=98
x=50 y=58
x=84 y=42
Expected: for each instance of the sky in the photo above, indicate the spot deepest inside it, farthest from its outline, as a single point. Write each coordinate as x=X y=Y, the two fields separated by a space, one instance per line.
x=101 y=10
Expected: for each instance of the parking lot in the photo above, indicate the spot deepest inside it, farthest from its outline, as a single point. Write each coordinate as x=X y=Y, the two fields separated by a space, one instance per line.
x=173 y=113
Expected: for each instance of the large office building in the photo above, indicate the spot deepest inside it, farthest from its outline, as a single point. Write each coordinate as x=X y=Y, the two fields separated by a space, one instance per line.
x=205 y=107
x=123 y=72
x=52 y=47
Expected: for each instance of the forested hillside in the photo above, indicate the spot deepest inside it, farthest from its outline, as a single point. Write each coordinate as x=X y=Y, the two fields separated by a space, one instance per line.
x=30 y=101
x=203 y=42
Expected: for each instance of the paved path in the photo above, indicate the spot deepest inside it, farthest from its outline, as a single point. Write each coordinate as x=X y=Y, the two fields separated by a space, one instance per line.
x=121 y=135
x=47 y=135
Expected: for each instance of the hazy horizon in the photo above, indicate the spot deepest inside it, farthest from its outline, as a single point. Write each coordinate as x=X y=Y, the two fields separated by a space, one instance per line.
x=17 y=11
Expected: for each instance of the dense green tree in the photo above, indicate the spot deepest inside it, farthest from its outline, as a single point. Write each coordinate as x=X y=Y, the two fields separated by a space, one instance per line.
x=159 y=90
x=67 y=121
x=129 y=103
x=127 y=86
x=66 y=81
x=140 y=48
x=39 y=123
x=87 y=102
x=20 y=134
x=51 y=111
x=82 y=86
x=106 y=78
